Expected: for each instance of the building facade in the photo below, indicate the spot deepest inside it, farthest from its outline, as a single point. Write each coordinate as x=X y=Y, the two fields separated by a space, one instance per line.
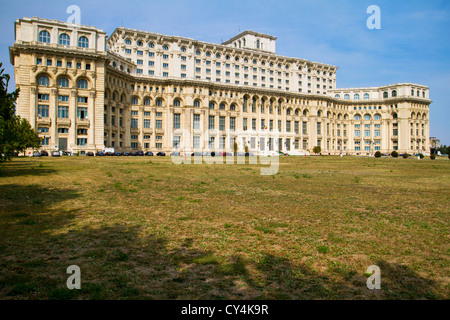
x=137 y=90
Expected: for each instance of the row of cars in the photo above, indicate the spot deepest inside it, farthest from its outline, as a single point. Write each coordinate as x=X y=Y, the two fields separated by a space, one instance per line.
x=132 y=154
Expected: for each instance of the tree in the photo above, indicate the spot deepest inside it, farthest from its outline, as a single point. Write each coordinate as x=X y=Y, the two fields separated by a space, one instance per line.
x=16 y=134
x=235 y=147
x=317 y=149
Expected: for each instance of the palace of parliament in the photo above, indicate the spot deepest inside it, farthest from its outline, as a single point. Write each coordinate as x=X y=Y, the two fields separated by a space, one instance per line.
x=137 y=90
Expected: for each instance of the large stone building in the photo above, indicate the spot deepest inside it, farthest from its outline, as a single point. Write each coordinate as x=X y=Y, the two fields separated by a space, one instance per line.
x=138 y=90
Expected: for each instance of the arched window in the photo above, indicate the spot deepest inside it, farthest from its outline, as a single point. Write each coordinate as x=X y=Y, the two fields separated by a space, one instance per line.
x=43 y=81
x=165 y=47
x=82 y=84
x=337 y=96
x=134 y=101
x=140 y=43
x=158 y=102
x=366 y=117
x=83 y=42
x=151 y=45
x=127 y=41
x=356 y=97
x=319 y=113
x=394 y=93
x=385 y=95
x=211 y=105
x=114 y=96
x=394 y=116
x=176 y=103
x=222 y=106
x=366 y=96
x=305 y=113
x=63 y=82
x=44 y=36
x=233 y=107
x=208 y=54
x=183 y=49
x=196 y=103
x=357 y=117
x=64 y=39
x=146 y=102
x=288 y=112
x=296 y=112
x=257 y=44
x=347 y=96
x=377 y=117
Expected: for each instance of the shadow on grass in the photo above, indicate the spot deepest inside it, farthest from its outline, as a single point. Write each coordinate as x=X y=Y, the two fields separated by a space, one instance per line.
x=118 y=262
x=17 y=168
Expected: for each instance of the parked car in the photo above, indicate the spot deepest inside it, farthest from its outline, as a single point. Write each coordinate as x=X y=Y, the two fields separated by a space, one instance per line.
x=161 y=154
x=140 y=153
x=133 y=154
x=175 y=154
x=90 y=154
x=196 y=154
x=36 y=154
x=109 y=154
x=126 y=154
x=44 y=153
x=117 y=153
x=56 y=154
x=149 y=153
x=100 y=154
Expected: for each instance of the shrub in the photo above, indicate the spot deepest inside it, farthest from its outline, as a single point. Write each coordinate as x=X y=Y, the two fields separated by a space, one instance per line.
x=378 y=154
x=421 y=156
x=394 y=154
x=449 y=156
x=317 y=149
x=405 y=156
x=432 y=156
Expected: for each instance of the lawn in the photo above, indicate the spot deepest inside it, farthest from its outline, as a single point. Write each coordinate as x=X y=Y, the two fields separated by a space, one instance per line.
x=145 y=228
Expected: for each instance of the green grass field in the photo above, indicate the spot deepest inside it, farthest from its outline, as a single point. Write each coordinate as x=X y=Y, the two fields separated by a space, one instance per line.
x=145 y=228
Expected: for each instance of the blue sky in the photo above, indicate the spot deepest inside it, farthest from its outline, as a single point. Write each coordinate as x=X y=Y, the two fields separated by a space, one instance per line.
x=413 y=44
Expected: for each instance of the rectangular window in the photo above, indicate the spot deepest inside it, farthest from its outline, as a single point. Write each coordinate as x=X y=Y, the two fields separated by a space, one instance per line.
x=288 y=126
x=176 y=142
x=304 y=128
x=254 y=124
x=63 y=112
x=63 y=98
x=146 y=123
x=222 y=123
x=244 y=124
x=43 y=111
x=196 y=121
x=176 y=120
x=63 y=130
x=43 y=130
x=158 y=145
x=196 y=142
x=134 y=123
x=211 y=122
x=319 y=128
x=232 y=123
x=158 y=124
x=81 y=141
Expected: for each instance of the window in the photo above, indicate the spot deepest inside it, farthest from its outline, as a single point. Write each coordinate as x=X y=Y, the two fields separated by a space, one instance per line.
x=44 y=37
x=347 y=96
x=158 y=102
x=83 y=42
x=82 y=113
x=64 y=39
x=43 y=81
x=43 y=111
x=43 y=129
x=176 y=142
x=211 y=105
x=356 y=97
x=211 y=122
x=82 y=84
x=357 y=117
x=63 y=130
x=176 y=120
x=222 y=123
x=82 y=99
x=196 y=121
x=63 y=112
x=63 y=82
x=176 y=103
x=63 y=98
x=366 y=117
x=43 y=97
x=394 y=93
x=146 y=123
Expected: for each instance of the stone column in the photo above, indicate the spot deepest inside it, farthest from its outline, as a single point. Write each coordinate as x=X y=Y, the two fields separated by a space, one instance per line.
x=73 y=120
x=91 y=116
x=53 y=113
x=33 y=106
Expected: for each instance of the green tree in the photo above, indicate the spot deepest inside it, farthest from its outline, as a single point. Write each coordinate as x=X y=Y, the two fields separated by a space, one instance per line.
x=16 y=134
x=317 y=149
x=235 y=147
